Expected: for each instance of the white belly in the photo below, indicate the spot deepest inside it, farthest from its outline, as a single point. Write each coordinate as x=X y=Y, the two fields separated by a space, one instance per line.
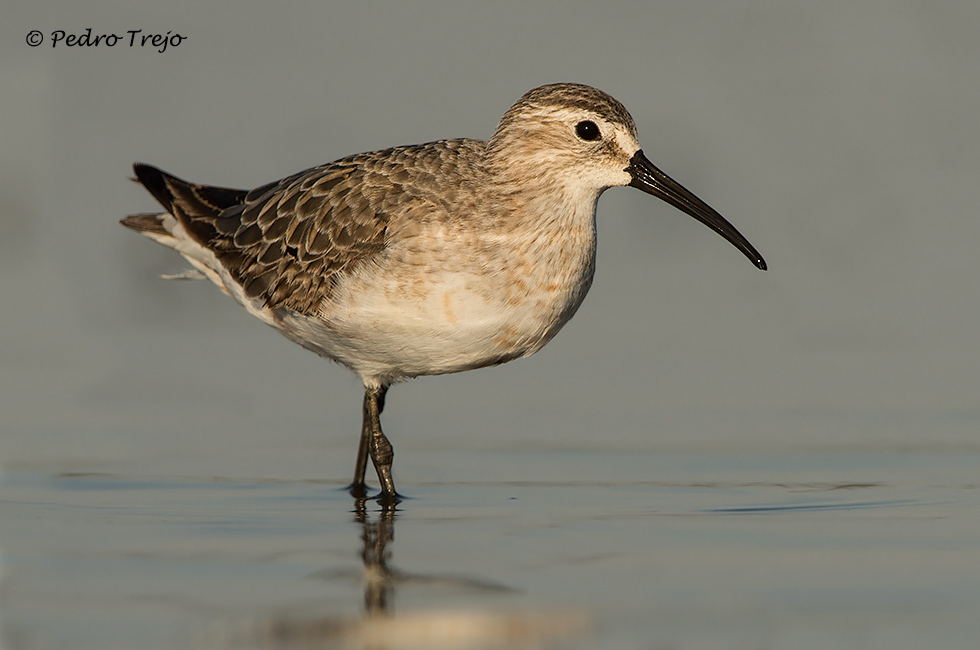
x=396 y=320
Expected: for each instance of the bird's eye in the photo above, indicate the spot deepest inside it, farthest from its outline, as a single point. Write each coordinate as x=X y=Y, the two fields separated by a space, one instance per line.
x=587 y=130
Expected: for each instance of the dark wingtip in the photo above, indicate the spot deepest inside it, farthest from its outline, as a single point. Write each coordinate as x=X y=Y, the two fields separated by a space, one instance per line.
x=155 y=181
x=146 y=173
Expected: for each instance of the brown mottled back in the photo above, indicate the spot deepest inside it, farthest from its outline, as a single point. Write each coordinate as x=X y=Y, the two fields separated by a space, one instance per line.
x=287 y=241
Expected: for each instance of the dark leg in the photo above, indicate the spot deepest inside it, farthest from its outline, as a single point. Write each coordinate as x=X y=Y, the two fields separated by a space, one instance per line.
x=378 y=446
x=357 y=488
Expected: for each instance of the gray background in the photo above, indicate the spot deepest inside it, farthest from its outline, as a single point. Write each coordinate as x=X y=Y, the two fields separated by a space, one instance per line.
x=841 y=138
x=708 y=456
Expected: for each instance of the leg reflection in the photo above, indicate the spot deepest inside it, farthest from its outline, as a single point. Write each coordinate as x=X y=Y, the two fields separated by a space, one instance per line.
x=379 y=579
x=379 y=627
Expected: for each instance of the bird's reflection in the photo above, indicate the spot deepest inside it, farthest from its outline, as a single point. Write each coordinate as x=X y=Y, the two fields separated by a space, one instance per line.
x=379 y=628
x=379 y=579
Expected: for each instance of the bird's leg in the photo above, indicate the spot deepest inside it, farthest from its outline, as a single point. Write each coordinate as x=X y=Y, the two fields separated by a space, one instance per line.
x=378 y=446
x=357 y=488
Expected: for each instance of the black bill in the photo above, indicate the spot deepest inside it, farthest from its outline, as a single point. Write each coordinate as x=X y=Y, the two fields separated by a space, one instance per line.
x=651 y=180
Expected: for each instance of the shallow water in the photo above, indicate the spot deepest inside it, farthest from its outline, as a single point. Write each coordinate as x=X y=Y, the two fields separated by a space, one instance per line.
x=611 y=550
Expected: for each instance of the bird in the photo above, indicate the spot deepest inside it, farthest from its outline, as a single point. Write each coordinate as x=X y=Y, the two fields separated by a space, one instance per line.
x=423 y=259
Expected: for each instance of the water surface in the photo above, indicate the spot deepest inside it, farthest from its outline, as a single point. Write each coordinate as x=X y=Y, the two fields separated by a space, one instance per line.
x=695 y=550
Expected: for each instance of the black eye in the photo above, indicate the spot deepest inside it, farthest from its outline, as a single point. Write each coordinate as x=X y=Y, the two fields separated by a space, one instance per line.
x=587 y=130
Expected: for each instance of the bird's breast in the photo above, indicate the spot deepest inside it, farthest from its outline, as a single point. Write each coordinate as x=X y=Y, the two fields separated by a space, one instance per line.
x=453 y=297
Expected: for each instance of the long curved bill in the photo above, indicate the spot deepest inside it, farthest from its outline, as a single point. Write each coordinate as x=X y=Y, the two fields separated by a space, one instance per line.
x=651 y=180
